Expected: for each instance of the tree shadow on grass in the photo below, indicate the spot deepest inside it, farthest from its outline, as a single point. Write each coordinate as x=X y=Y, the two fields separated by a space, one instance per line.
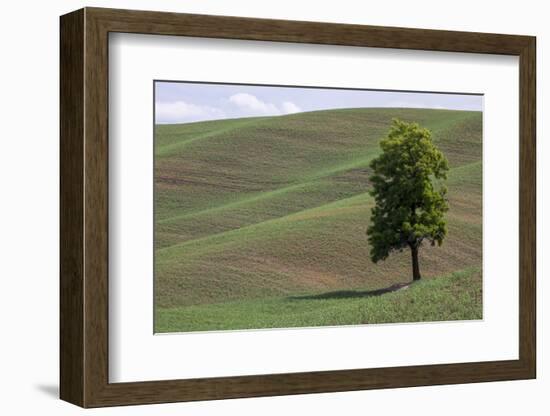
x=350 y=294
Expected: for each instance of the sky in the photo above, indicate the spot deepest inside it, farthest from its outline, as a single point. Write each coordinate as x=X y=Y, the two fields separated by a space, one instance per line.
x=186 y=102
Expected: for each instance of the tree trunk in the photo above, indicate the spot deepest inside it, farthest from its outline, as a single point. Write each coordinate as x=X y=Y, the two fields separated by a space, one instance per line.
x=416 y=267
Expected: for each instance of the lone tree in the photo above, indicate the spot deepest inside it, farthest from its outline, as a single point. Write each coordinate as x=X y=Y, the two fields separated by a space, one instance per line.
x=409 y=209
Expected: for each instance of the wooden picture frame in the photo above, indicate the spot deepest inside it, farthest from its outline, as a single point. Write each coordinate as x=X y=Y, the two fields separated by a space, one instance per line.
x=84 y=207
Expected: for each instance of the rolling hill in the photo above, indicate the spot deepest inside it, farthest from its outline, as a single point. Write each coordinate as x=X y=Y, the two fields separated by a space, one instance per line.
x=267 y=210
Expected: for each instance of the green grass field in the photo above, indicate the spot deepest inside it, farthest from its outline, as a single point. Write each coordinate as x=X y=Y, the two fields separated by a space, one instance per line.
x=260 y=223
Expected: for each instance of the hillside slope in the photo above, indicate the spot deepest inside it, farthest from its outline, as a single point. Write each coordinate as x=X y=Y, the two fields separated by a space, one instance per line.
x=278 y=206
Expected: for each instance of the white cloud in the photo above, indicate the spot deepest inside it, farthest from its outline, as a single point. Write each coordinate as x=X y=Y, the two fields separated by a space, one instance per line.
x=253 y=105
x=289 y=107
x=238 y=105
x=180 y=111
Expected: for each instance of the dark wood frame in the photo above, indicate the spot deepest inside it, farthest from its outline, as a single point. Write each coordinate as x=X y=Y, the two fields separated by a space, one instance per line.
x=84 y=207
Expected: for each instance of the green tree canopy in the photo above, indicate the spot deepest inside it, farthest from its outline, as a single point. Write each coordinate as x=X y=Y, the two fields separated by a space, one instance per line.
x=409 y=209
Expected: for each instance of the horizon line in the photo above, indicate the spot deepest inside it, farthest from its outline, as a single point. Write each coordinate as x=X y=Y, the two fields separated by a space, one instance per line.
x=314 y=111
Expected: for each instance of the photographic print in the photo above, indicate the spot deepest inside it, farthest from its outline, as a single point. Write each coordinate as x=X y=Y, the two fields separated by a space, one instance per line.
x=288 y=206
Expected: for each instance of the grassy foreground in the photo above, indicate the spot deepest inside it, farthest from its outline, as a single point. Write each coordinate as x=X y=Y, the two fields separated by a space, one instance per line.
x=457 y=296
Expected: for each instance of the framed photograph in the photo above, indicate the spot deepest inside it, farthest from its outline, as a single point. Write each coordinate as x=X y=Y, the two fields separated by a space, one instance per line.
x=255 y=207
